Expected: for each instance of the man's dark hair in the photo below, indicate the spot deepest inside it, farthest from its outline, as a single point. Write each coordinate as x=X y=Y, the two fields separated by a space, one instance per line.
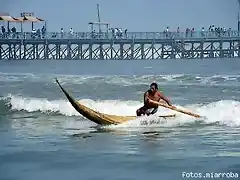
x=155 y=85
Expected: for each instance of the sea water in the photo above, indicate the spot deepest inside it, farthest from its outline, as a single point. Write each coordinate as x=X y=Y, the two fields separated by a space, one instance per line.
x=43 y=137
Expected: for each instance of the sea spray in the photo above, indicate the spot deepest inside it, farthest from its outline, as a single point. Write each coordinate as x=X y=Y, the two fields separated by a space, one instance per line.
x=224 y=112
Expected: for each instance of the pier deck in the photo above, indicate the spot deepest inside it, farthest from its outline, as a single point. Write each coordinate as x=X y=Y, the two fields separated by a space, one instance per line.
x=127 y=46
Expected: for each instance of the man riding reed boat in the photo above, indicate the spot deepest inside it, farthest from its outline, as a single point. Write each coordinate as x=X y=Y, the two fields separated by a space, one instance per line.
x=152 y=94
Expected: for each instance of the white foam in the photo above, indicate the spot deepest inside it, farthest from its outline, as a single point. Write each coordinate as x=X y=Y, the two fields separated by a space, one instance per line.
x=120 y=80
x=77 y=79
x=36 y=104
x=225 y=112
x=216 y=78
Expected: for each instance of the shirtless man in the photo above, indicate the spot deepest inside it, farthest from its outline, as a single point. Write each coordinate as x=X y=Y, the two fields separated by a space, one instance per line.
x=154 y=94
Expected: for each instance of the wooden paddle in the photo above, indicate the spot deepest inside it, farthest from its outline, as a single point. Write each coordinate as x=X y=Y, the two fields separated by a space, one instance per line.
x=175 y=108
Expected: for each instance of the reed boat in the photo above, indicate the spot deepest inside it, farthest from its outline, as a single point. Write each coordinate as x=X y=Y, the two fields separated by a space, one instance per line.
x=98 y=117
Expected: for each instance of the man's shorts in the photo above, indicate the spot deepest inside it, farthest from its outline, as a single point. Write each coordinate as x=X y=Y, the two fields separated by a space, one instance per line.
x=144 y=110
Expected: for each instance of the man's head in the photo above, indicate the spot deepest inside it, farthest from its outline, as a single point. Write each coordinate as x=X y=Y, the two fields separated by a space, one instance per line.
x=153 y=87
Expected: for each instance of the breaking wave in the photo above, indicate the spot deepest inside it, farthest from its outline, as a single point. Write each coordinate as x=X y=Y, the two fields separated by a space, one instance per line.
x=124 y=80
x=225 y=112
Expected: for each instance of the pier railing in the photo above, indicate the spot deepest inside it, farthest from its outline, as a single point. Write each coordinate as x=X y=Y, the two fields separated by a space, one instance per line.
x=126 y=36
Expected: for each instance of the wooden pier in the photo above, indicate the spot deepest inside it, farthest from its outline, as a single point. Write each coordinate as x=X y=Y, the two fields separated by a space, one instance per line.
x=125 y=46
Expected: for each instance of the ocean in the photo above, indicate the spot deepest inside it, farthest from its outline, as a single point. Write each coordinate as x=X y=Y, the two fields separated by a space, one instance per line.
x=43 y=137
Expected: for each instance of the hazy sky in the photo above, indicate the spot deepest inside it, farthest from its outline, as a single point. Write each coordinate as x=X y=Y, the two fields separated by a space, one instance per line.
x=135 y=15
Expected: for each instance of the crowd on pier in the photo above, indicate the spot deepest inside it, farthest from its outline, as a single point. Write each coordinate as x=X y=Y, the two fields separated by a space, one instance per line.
x=13 y=33
x=116 y=33
x=190 y=32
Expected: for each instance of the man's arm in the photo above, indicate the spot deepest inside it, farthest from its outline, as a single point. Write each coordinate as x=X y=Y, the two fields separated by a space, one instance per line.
x=165 y=99
x=145 y=97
